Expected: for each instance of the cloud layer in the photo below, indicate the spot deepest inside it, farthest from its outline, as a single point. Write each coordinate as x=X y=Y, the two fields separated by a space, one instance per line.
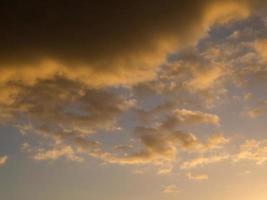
x=150 y=72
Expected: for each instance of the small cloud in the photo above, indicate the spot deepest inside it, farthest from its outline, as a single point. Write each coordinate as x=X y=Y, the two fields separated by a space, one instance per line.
x=171 y=189
x=196 y=117
x=197 y=177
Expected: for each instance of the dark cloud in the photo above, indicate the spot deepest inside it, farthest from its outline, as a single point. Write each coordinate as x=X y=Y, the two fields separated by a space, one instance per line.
x=89 y=31
x=103 y=37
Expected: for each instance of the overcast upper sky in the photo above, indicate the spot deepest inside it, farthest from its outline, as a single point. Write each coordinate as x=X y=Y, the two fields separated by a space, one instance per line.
x=133 y=100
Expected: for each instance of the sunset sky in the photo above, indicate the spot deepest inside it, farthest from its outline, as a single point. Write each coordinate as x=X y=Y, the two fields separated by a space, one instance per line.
x=133 y=100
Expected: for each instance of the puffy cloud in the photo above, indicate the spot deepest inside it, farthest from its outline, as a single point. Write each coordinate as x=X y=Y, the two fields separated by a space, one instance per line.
x=3 y=160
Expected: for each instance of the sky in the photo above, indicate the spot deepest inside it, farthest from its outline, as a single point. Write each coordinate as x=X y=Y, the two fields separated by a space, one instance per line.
x=133 y=100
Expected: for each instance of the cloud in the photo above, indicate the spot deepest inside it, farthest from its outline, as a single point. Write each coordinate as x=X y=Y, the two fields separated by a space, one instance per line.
x=94 y=43
x=192 y=73
x=165 y=169
x=55 y=153
x=76 y=109
x=252 y=150
x=3 y=160
x=163 y=142
x=160 y=143
x=162 y=147
x=63 y=114
x=195 y=117
x=61 y=80
x=171 y=189
x=216 y=141
x=66 y=118
x=204 y=79
x=198 y=177
x=204 y=160
x=187 y=117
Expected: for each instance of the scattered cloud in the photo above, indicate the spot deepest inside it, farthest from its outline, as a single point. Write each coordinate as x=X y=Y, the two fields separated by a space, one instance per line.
x=252 y=150
x=66 y=89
